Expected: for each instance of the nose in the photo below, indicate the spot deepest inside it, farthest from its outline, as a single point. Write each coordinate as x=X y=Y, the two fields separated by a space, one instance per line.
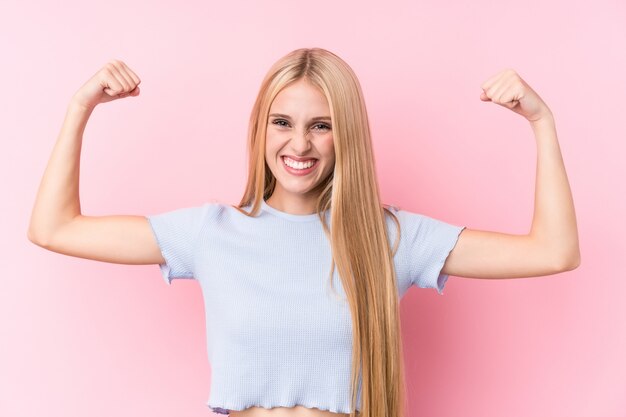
x=300 y=142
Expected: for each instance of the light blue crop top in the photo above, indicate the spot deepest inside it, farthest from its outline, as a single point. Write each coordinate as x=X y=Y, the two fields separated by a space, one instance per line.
x=277 y=335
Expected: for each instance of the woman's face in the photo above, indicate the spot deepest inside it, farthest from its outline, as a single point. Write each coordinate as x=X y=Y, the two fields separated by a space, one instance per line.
x=299 y=129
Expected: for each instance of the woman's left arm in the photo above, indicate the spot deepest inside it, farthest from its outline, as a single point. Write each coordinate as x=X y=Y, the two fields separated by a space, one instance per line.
x=551 y=246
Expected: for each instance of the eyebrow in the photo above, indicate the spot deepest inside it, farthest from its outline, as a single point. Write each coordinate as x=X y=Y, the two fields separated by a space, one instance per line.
x=289 y=118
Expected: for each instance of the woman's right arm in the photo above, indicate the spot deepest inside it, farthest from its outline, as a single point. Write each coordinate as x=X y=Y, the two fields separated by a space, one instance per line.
x=56 y=222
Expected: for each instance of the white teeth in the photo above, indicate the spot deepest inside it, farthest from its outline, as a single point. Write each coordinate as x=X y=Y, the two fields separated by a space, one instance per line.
x=298 y=165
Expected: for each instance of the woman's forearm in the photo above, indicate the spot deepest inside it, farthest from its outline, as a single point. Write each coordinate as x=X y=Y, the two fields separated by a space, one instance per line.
x=554 y=218
x=57 y=199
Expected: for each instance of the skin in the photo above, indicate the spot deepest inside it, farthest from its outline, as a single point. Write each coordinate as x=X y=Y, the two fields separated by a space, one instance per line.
x=58 y=224
x=296 y=133
x=551 y=246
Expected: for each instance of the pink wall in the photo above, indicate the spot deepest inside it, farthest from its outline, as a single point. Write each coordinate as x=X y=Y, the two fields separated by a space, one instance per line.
x=89 y=338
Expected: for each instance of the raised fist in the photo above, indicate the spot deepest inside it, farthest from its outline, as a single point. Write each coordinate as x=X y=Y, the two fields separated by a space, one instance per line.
x=114 y=80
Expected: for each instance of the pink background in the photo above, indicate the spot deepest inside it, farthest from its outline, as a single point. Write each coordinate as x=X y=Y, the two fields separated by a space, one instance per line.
x=89 y=338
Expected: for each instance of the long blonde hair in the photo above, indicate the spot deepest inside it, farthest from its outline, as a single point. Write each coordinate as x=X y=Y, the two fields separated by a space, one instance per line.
x=358 y=237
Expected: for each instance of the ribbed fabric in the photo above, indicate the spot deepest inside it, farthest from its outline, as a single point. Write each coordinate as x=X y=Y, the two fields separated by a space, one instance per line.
x=277 y=335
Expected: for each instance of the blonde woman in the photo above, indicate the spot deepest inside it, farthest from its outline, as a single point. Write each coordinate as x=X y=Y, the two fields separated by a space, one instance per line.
x=302 y=279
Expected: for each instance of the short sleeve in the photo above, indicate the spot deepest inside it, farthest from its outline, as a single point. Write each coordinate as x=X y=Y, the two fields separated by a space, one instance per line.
x=428 y=243
x=176 y=233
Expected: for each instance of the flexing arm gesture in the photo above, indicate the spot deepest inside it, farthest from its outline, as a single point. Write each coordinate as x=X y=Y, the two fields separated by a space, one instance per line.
x=56 y=221
x=551 y=245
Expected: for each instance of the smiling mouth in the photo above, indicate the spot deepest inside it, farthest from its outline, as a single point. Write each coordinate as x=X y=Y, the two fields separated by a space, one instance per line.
x=299 y=164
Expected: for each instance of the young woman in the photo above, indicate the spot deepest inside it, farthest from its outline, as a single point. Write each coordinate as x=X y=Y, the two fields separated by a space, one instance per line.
x=302 y=279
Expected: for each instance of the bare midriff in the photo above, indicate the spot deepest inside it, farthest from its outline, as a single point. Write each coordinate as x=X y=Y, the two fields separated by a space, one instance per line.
x=297 y=411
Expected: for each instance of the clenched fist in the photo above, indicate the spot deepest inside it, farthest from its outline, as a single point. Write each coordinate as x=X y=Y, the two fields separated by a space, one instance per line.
x=115 y=80
x=508 y=89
